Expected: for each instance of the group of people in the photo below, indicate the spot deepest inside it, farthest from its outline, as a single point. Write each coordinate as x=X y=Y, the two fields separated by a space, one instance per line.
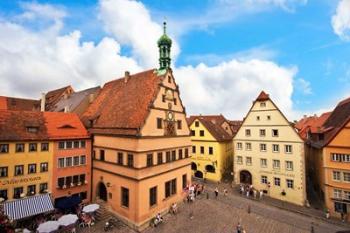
x=193 y=190
x=250 y=191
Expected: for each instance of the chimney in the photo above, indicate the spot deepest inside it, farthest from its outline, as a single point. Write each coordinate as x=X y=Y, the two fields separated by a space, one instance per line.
x=66 y=108
x=42 y=102
x=91 y=98
x=305 y=116
x=126 y=76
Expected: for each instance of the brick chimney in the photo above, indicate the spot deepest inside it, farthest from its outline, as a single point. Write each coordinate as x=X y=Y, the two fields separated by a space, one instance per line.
x=42 y=102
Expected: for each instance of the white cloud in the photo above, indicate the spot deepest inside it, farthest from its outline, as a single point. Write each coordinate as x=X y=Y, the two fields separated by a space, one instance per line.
x=341 y=20
x=32 y=61
x=303 y=86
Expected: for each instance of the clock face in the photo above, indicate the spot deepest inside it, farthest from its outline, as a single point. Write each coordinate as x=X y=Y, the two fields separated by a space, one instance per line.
x=169 y=94
x=170 y=116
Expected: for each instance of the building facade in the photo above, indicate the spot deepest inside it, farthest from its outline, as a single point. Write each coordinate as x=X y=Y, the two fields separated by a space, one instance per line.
x=269 y=154
x=212 y=151
x=141 y=143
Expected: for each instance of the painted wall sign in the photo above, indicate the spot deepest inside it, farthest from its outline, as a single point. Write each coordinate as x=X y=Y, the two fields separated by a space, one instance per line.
x=22 y=180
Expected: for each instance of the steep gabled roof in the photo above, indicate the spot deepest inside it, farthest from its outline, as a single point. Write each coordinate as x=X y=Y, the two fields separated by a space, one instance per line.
x=52 y=97
x=123 y=104
x=312 y=124
x=50 y=125
x=262 y=96
x=213 y=123
x=235 y=125
x=19 y=104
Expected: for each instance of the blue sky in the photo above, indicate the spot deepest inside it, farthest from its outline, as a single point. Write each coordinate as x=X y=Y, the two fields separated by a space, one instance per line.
x=294 y=35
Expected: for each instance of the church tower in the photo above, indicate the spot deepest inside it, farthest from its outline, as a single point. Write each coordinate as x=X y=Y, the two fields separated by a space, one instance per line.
x=164 y=45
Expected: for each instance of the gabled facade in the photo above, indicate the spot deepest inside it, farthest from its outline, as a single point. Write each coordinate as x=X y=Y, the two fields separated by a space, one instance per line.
x=269 y=154
x=212 y=150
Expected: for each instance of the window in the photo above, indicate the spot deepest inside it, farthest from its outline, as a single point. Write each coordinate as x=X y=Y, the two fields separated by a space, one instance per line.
x=3 y=193
x=3 y=171
x=17 y=192
x=44 y=167
x=125 y=197
x=31 y=190
x=276 y=164
x=262 y=147
x=170 y=188
x=247 y=132
x=180 y=154
x=196 y=123
x=175 y=101
x=248 y=160
x=43 y=187
x=239 y=146
x=19 y=170
x=277 y=181
x=202 y=149
x=120 y=158
x=239 y=159
x=264 y=179
x=288 y=148
x=32 y=129
x=186 y=153
x=201 y=133
x=346 y=195
x=275 y=133
x=159 y=123
x=61 y=145
x=31 y=168
x=336 y=176
x=184 y=181
x=275 y=148
x=75 y=179
x=61 y=162
x=33 y=147
x=69 y=162
x=149 y=160
x=169 y=79
x=82 y=178
x=82 y=144
x=102 y=155
x=76 y=160
x=76 y=144
x=44 y=146
x=60 y=182
x=153 y=196
x=179 y=124
x=263 y=162
x=262 y=104
x=346 y=158
x=210 y=150
x=268 y=117
x=337 y=193
x=82 y=160
x=346 y=176
x=160 y=158
x=69 y=145
x=340 y=157
x=262 y=133
x=167 y=159
x=290 y=184
x=4 y=148
x=258 y=118
x=193 y=133
x=20 y=147
x=130 y=160
x=248 y=146
x=173 y=155
x=163 y=98
x=289 y=165
x=68 y=181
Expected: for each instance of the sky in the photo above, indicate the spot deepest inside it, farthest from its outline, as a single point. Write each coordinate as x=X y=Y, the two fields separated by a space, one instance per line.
x=224 y=52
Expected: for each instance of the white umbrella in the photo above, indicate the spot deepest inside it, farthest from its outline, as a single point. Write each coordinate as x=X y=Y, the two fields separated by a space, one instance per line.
x=48 y=227
x=91 y=208
x=68 y=219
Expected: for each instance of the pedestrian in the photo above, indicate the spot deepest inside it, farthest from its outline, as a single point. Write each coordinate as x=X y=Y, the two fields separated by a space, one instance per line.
x=342 y=217
x=247 y=193
x=216 y=191
x=239 y=228
x=327 y=213
x=261 y=194
x=225 y=192
x=255 y=193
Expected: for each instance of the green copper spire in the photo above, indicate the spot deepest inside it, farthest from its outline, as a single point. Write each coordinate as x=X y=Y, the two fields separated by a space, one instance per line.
x=164 y=45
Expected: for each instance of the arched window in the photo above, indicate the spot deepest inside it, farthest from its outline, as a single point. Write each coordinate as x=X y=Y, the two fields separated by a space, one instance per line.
x=210 y=168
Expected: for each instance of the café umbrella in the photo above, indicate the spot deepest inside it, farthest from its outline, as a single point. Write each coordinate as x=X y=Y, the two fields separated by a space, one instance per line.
x=68 y=219
x=48 y=227
x=91 y=208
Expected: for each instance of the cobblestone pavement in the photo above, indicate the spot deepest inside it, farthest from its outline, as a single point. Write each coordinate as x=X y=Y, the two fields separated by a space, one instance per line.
x=221 y=216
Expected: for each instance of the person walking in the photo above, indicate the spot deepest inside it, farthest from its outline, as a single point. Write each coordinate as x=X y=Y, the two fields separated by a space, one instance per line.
x=216 y=191
x=239 y=228
x=261 y=194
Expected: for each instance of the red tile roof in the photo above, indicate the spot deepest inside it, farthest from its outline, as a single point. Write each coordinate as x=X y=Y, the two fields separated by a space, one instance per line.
x=52 y=97
x=262 y=96
x=123 y=104
x=213 y=123
x=50 y=125
x=235 y=125
x=312 y=124
x=19 y=104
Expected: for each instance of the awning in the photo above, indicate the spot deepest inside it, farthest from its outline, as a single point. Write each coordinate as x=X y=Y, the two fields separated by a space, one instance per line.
x=67 y=202
x=29 y=206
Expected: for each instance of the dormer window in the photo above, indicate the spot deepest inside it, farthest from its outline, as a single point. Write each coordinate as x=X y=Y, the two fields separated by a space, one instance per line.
x=196 y=123
x=32 y=129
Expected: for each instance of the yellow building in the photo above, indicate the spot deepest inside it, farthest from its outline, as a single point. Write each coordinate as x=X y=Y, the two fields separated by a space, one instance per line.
x=211 y=138
x=269 y=154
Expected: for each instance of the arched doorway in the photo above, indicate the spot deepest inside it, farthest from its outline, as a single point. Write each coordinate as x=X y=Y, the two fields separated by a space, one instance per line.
x=102 y=191
x=245 y=177
x=210 y=168
x=198 y=174
x=194 y=166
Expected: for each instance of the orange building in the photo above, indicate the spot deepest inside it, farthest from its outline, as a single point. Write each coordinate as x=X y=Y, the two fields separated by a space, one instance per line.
x=141 y=143
x=329 y=156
